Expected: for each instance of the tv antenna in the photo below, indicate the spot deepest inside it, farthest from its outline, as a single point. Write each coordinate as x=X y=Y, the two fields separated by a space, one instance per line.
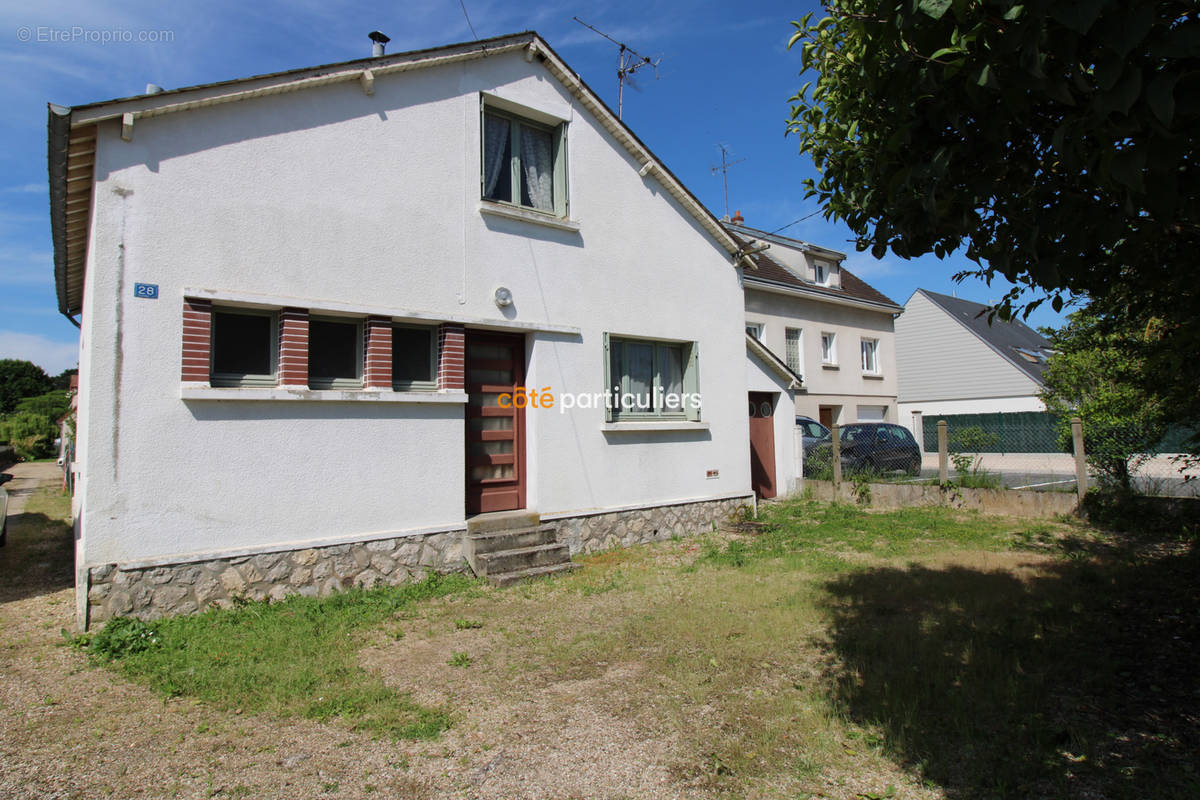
x=723 y=168
x=629 y=61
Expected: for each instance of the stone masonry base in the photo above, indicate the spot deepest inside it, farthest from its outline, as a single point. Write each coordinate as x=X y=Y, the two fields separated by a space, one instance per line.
x=185 y=588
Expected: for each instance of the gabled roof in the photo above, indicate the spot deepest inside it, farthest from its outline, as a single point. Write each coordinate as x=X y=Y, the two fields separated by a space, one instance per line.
x=777 y=364
x=769 y=272
x=72 y=135
x=1019 y=344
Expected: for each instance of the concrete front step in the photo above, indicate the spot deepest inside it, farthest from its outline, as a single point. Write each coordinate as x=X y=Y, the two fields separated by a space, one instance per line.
x=511 y=539
x=502 y=520
x=509 y=578
x=542 y=555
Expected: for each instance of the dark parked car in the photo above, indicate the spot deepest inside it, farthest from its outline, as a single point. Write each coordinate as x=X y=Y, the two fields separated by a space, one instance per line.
x=811 y=432
x=878 y=447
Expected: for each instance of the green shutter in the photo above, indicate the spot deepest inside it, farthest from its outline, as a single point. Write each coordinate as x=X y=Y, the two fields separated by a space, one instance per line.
x=561 y=203
x=691 y=379
x=609 y=410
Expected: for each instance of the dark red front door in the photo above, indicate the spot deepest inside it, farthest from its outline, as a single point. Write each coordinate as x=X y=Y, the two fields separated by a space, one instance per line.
x=495 y=425
x=762 y=444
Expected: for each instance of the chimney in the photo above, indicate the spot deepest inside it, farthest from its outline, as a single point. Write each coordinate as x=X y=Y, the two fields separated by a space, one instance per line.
x=380 y=40
x=738 y=219
x=153 y=88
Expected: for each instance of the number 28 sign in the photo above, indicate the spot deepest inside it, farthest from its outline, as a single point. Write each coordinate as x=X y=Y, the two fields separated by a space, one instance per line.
x=147 y=291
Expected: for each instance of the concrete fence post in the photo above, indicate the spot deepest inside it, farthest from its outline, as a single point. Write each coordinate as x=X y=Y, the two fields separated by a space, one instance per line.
x=1081 y=476
x=837 y=457
x=943 y=452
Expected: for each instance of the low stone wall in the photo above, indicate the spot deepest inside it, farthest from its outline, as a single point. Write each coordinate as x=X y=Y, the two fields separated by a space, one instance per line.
x=608 y=530
x=149 y=592
x=1008 y=502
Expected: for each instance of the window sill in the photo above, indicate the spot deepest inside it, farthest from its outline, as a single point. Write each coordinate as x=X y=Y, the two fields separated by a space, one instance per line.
x=664 y=425
x=830 y=366
x=528 y=215
x=202 y=392
x=873 y=376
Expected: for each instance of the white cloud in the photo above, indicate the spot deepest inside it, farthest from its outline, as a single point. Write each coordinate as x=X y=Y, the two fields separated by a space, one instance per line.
x=51 y=355
x=27 y=188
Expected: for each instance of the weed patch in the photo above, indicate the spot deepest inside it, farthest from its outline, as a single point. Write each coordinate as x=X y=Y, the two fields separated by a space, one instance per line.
x=297 y=657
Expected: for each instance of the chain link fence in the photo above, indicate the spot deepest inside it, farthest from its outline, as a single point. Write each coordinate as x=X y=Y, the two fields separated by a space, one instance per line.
x=1036 y=450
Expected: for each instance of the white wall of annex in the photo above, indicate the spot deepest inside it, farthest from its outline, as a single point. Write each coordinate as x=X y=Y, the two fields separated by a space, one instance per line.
x=330 y=195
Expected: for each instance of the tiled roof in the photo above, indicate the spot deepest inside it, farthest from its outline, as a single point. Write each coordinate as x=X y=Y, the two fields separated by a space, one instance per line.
x=852 y=288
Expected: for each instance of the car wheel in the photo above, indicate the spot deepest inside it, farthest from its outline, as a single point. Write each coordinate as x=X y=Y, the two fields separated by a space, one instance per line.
x=914 y=467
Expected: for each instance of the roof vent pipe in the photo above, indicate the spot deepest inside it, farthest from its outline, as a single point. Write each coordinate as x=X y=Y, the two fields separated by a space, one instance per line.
x=380 y=40
x=153 y=88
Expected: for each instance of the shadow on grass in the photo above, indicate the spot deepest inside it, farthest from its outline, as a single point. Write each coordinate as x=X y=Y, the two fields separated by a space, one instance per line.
x=1078 y=679
x=38 y=557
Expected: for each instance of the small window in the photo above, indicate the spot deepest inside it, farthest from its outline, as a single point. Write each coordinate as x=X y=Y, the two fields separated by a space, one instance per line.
x=524 y=163
x=870 y=356
x=821 y=270
x=413 y=357
x=791 y=350
x=828 y=348
x=755 y=329
x=652 y=379
x=244 y=348
x=335 y=354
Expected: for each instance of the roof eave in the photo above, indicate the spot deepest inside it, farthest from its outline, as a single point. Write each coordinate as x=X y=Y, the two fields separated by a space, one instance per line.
x=754 y=282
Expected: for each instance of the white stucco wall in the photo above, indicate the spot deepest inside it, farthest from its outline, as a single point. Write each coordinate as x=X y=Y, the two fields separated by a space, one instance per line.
x=331 y=196
x=761 y=378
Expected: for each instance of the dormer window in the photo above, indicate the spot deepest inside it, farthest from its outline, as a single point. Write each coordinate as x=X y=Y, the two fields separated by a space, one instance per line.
x=822 y=272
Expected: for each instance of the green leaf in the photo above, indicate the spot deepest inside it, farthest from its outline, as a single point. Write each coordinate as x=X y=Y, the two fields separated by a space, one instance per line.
x=1160 y=96
x=1128 y=167
x=1014 y=12
x=986 y=78
x=1123 y=95
x=935 y=8
x=946 y=51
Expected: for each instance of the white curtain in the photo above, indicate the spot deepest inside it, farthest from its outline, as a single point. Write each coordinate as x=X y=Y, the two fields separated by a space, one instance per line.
x=495 y=142
x=537 y=159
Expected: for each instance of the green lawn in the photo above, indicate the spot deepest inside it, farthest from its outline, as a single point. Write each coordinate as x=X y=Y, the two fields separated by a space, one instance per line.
x=922 y=652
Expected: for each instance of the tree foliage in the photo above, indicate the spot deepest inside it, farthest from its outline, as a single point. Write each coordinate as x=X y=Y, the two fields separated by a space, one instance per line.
x=1095 y=374
x=1055 y=139
x=32 y=427
x=20 y=379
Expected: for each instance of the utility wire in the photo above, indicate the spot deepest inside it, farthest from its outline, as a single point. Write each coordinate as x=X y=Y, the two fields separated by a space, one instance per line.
x=463 y=4
x=793 y=222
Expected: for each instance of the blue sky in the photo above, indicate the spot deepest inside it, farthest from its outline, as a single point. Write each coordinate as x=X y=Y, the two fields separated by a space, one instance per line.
x=725 y=78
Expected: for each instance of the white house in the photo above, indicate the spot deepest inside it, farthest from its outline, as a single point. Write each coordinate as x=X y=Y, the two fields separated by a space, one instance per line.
x=953 y=362
x=308 y=301
x=830 y=327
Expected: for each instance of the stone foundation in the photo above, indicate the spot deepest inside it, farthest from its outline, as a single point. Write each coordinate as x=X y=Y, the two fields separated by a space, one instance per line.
x=149 y=592
x=608 y=530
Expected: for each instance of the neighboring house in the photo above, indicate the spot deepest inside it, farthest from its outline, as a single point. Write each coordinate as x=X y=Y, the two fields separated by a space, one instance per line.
x=828 y=326
x=304 y=296
x=952 y=361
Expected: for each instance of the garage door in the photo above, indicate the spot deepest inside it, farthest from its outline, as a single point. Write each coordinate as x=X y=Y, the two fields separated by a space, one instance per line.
x=871 y=413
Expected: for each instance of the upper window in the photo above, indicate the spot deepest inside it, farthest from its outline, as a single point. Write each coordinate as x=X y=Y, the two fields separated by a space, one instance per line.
x=821 y=270
x=524 y=162
x=828 y=348
x=244 y=348
x=414 y=363
x=870 y=356
x=651 y=379
x=791 y=350
x=755 y=329
x=335 y=354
